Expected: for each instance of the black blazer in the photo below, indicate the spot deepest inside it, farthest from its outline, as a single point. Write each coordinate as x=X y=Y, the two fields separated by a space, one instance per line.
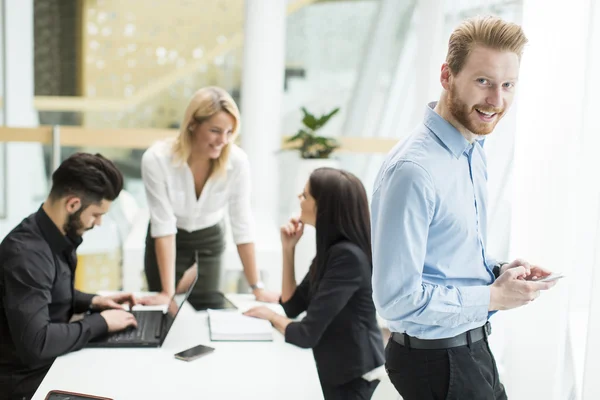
x=340 y=324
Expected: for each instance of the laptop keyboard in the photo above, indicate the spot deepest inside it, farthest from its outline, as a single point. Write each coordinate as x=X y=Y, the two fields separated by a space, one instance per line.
x=146 y=322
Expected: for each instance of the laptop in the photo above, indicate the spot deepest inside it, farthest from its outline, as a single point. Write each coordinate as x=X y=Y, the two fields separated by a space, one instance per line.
x=153 y=326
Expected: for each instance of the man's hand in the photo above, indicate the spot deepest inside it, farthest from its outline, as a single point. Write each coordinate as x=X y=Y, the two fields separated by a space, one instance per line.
x=532 y=272
x=114 y=301
x=538 y=273
x=266 y=296
x=155 y=300
x=261 y=312
x=118 y=320
x=512 y=290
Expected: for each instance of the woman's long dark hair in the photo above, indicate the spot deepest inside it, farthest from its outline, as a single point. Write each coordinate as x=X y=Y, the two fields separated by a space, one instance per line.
x=342 y=214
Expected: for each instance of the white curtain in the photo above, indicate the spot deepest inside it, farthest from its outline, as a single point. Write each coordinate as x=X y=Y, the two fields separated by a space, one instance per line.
x=589 y=220
x=555 y=194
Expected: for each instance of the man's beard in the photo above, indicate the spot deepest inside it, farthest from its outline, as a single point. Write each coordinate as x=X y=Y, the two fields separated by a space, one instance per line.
x=460 y=111
x=73 y=227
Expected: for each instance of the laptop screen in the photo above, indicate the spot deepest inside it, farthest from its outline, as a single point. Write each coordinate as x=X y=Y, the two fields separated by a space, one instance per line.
x=182 y=291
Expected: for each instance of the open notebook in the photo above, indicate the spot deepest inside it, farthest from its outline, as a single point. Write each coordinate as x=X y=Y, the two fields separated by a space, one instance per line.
x=227 y=325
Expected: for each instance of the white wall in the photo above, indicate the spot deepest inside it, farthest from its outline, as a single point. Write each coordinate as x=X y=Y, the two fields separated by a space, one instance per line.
x=26 y=184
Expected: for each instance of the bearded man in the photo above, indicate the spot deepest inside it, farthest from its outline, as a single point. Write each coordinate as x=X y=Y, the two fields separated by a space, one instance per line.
x=37 y=268
x=433 y=279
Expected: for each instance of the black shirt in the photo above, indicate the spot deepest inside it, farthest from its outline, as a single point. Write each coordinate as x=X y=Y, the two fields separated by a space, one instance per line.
x=340 y=323
x=37 y=301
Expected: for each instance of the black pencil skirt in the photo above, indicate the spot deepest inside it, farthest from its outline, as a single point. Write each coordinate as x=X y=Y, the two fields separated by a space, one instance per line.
x=209 y=243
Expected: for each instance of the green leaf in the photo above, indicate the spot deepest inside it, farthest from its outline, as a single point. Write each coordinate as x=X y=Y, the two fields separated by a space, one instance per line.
x=309 y=120
x=324 y=118
x=301 y=135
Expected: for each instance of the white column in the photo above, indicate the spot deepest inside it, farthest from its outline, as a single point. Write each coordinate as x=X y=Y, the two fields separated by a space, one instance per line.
x=261 y=105
x=23 y=160
x=546 y=195
x=18 y=85
x=262 y=97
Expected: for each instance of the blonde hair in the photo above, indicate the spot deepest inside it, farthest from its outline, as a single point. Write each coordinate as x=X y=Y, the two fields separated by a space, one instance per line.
x=491 y=32
x=205 y=103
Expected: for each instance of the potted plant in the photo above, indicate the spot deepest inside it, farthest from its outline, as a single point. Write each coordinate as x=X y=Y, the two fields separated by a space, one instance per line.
x=308 y=143
x=314 y=150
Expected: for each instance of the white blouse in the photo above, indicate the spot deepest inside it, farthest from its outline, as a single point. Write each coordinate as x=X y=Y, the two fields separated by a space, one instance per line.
x=172 y=198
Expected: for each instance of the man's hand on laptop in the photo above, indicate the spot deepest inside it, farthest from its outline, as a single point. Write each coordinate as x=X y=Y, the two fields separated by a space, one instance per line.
x=155 y=300
x=118 y=320
x=115 y=301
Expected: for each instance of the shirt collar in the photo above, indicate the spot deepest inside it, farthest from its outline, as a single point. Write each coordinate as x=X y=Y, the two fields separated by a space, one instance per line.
x=448 y=134
x=57 y=241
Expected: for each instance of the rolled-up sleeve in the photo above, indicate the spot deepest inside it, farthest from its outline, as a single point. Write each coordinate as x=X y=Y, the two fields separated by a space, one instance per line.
x=162 y=217
x=402 y=210
x=26 y=295
x=240 y=210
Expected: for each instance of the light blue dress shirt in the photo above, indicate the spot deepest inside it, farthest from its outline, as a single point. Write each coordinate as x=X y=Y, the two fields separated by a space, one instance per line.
x=431 y=271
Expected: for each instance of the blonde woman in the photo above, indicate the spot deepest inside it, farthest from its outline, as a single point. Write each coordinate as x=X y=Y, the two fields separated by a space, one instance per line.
x=190 y=182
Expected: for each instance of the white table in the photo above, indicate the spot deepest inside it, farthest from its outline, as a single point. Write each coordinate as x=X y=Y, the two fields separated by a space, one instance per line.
x=235 y=370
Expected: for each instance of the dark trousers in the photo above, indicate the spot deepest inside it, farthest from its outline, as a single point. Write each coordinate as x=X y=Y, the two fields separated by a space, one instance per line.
x=209 y=243
x=356 y=389
x=459 y=373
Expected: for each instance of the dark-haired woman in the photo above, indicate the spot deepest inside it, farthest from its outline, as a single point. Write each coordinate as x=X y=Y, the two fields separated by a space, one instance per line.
x=340 y=323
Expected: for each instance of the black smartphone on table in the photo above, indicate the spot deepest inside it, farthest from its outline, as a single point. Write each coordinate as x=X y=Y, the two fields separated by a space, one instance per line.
x=194 y=352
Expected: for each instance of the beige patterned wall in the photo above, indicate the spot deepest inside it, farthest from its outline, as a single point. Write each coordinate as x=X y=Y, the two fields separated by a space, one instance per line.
x=98 y=271
x=128 y=44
